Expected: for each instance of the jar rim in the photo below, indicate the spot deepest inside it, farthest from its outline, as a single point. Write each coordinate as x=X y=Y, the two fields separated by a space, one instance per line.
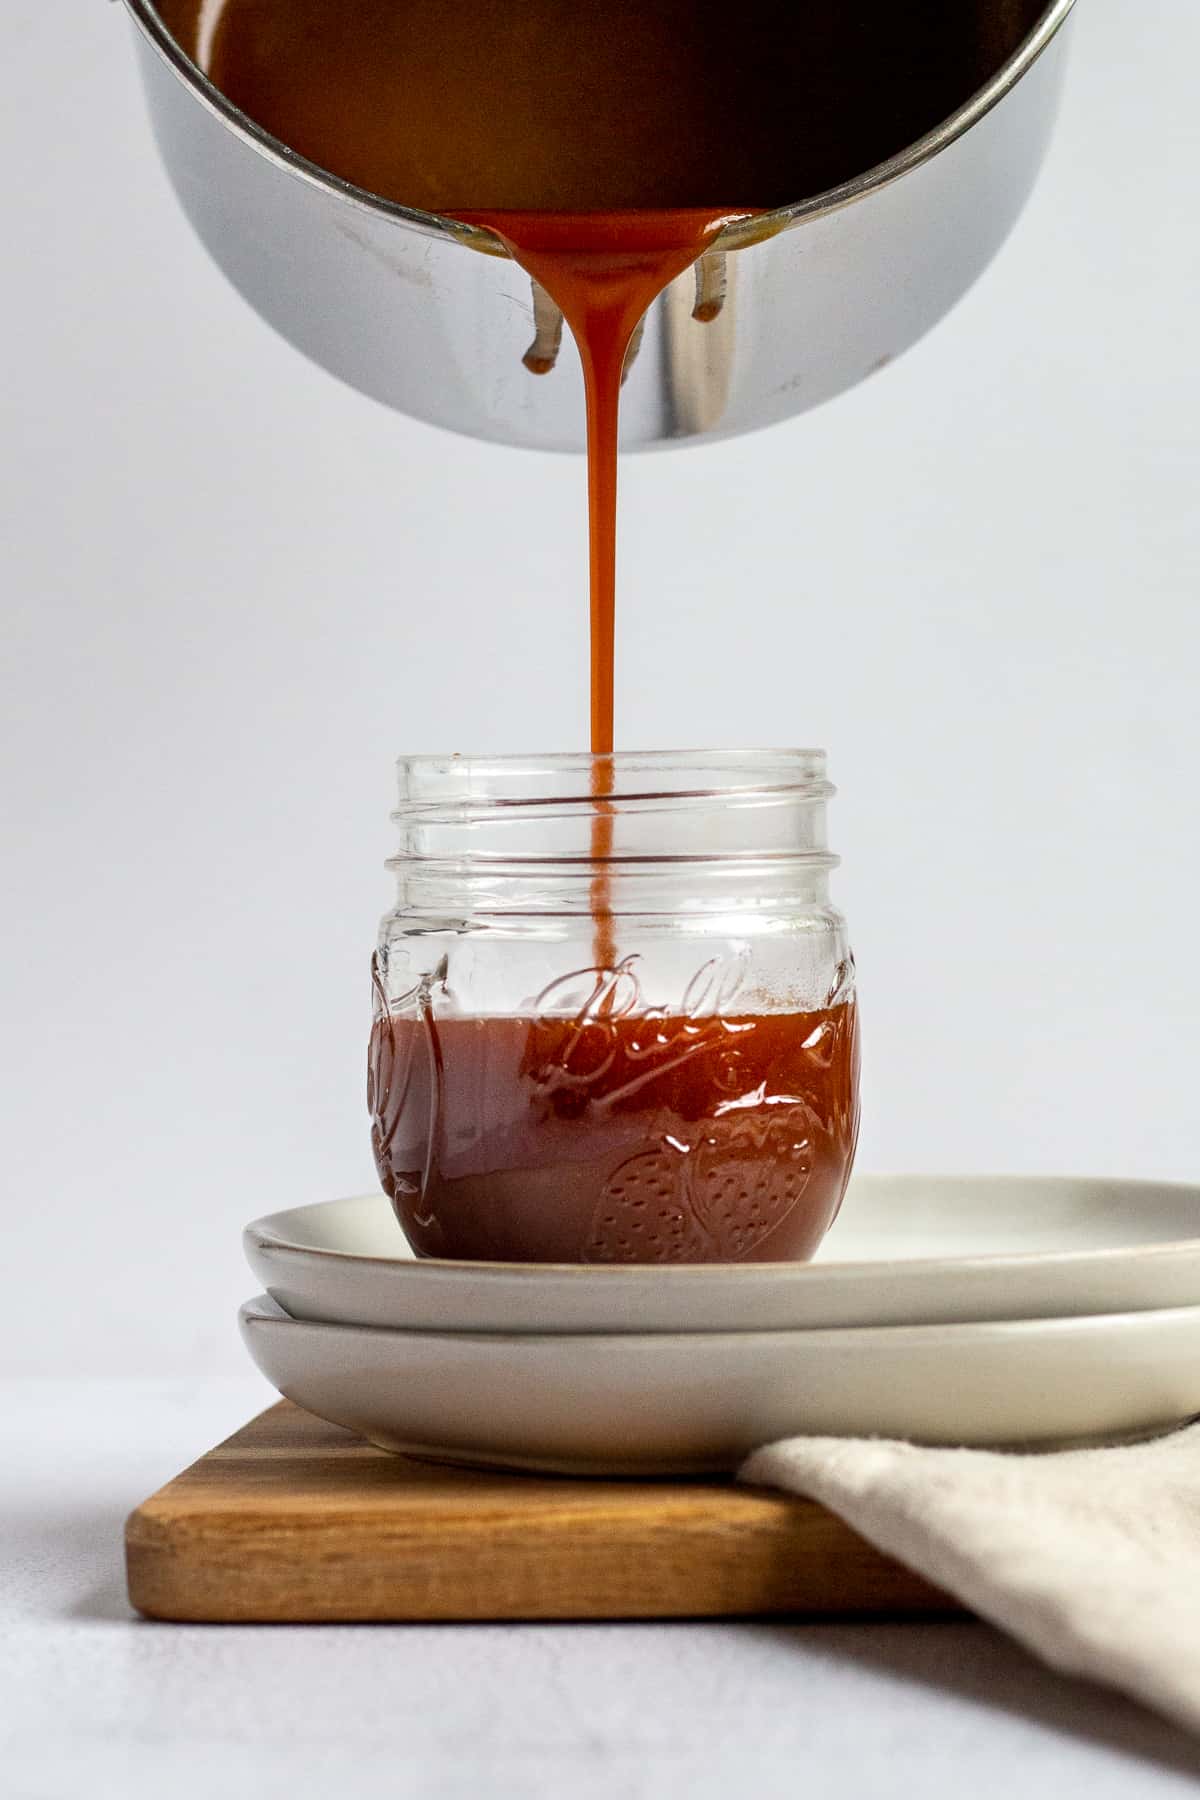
x=515 y=833
x=429 y=784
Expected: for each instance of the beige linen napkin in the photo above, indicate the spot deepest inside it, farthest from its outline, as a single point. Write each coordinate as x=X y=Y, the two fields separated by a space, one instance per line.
x=1090 y=1558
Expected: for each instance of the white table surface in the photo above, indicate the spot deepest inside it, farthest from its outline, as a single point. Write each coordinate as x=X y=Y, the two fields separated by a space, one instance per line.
x=95 y=1702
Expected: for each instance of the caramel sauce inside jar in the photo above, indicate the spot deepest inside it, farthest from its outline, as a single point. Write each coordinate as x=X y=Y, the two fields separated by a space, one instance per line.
x=644 y=1139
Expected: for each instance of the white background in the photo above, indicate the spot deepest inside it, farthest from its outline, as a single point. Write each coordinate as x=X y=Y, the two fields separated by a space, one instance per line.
x=234 y=591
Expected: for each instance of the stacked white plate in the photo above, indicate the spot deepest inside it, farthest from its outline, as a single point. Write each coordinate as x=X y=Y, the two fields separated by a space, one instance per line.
x=974 y=1310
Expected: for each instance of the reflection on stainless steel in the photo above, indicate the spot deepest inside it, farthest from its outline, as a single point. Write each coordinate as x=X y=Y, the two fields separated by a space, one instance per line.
x=633 y=352
x=404 y=306
x=699 y=346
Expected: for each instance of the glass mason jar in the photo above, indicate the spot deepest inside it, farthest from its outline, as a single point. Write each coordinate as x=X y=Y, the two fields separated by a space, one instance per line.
x=614 y=1009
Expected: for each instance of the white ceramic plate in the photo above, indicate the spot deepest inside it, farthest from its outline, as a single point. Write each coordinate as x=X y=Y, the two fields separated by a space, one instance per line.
x=907 y=1249
x=670 y=1403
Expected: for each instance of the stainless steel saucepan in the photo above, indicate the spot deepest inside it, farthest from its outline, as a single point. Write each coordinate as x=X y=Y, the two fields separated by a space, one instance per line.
x=432 y=317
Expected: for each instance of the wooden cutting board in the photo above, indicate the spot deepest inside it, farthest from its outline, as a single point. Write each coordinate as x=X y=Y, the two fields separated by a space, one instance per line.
x=294 y=1519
